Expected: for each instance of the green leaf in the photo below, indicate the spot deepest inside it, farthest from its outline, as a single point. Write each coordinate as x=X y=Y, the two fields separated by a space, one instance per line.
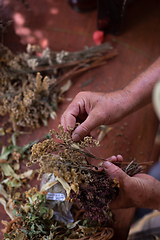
x=20 y=236
x=41 y=228
x=14 y=183
x=15 y=213
x=16 y=202
x=5 y=152
x=32 y=228
x=27 y=146
x=8 y=171
x=6 y=235
x=84 y=222
x=14 y=136
x=44 y=210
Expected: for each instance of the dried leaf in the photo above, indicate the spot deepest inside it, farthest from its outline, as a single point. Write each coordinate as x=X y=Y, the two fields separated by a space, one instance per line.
x=50 y=214
x=48 y=185
x=65 y=87
x=104 y=130
x=72 y=225
x=26 y=208
x=8 y=207
x=13 y=183
x=45 y=122
x=2 y=132
x=3 y=192
x=26 y=174
x=53 y=115
x=20 y=236
x=64 y=184
x=8 y=170
x=88 y=230
x=16 y=166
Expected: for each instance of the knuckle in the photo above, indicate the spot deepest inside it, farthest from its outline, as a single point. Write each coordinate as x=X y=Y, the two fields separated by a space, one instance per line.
x=85 y=130
x=116 y=171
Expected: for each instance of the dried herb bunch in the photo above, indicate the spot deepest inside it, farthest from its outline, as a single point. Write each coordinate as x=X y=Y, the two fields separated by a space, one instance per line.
x=23 y=95
x=29 y=105
x=66 y=159
x=91 y=190
x=30 y=99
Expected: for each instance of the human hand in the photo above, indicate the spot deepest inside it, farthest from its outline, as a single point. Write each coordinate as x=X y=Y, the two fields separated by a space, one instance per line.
x=141 y=190
x=93 y=109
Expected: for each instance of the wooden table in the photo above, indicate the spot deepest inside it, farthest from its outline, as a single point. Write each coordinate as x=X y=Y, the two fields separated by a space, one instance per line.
x=55 y=24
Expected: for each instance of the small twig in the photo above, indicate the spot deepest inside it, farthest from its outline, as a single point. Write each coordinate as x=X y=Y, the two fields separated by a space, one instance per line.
x=77 y=70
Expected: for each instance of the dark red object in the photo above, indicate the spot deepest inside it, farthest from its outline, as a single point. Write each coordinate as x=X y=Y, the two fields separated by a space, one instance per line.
x=111 y=15
x=83 y=5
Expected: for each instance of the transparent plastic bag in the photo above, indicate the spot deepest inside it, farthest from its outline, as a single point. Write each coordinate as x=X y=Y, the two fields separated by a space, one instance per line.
x=55 y=199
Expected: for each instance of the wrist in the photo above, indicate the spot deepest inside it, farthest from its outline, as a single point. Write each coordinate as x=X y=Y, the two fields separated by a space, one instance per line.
x=149 y=193
x=126 y=103
x=116 y=106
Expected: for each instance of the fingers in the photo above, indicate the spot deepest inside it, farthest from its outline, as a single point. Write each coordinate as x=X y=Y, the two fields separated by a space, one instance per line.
x=76 y=110
x=69 y=116
x=85 y=108
x=115 y=172
x=86 y=127
x=117 y=158
x=81 y=131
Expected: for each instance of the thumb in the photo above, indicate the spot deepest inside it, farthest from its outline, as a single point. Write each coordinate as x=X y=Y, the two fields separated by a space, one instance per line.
x=114 y=172
x=84 y=129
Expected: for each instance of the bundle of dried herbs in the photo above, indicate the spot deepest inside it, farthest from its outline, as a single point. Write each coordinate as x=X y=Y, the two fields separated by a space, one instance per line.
x=32 y=83
x=91 y=190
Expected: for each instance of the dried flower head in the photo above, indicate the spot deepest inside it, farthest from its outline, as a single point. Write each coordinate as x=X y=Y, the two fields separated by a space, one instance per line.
x=29 y=105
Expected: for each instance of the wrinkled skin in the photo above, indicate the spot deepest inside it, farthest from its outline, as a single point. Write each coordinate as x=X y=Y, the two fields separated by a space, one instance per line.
x=141 y=190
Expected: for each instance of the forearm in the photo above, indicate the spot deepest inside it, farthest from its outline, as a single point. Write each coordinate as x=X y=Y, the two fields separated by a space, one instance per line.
x=139 y=91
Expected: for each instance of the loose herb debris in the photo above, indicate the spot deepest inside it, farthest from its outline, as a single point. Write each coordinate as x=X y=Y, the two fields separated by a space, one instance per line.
x=12 y=178
x=31 y=83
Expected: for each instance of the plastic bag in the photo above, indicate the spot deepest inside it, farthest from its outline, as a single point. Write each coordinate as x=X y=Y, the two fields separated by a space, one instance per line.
x=55 y=199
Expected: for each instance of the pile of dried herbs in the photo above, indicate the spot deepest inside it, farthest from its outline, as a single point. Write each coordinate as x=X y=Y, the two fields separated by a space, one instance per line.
x=32 y=83
x=32 y=220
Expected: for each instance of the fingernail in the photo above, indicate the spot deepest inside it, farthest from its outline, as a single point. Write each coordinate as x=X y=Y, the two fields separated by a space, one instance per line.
x=107 y=164
x=76 y=137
